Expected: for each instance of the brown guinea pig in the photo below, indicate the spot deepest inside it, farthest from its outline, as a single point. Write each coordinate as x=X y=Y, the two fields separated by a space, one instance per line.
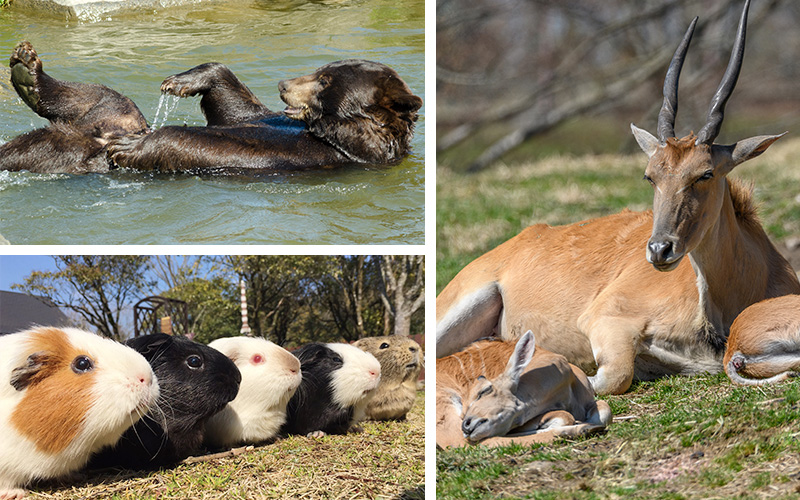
x=401 y=363
x=64 y=394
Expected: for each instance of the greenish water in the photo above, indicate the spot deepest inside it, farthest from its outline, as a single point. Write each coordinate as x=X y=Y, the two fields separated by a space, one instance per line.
x=262 y=42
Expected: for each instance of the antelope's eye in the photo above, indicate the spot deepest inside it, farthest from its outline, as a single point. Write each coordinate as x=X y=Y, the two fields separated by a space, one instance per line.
x=257 y=359
x=648 y=179
x=483 y=392
x=384 y=346
x=82 y=364
x=708 y=174
x=194 y=361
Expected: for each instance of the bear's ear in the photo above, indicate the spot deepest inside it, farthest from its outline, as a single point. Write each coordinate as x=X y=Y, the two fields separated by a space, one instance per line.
x=397 y=96
x=405 y=103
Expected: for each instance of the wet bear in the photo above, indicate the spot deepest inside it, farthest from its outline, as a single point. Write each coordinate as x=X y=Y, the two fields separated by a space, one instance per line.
x=83 y=118
x=346 y=112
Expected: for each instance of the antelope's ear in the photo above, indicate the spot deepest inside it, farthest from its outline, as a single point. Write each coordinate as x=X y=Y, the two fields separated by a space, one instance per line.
x=645 y=139
x=752 y=147
x=523 y=352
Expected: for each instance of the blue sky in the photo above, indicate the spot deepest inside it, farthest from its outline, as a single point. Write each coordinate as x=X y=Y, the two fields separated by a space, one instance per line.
x=14 y=268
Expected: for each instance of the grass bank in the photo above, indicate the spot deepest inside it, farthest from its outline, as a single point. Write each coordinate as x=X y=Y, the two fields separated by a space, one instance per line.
x=386 y=460
x=676 y=438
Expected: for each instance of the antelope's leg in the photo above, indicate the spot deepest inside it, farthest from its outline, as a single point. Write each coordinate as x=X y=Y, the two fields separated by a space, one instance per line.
x=615 y=343
x=471 y=316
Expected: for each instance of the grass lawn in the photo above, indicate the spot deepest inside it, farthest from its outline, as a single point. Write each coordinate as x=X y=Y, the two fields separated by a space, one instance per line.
x=386 y=460
x=675 y=438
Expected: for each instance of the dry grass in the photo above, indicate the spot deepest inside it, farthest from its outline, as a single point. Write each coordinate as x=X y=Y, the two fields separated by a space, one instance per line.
x=386 y=460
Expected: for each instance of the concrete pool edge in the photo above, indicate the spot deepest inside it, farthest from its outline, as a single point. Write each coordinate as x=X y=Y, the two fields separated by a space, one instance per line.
x=94 y=9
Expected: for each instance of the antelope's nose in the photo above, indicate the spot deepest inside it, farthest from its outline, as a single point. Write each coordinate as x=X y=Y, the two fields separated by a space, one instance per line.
x=660 y=251
x=470 y=424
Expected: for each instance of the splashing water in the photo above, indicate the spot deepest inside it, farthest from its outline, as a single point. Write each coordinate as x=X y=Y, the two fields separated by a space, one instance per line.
x=171 y=104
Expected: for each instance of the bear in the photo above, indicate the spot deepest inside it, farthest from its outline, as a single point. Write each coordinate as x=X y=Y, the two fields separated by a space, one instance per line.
x=346 y=112
x=83 y=118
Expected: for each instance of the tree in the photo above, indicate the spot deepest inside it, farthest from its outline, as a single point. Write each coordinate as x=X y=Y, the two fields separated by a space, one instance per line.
x=403 y=288
x=276 y=290
x=513 y=69
x=347 y=296
x=96 y=287
x=212 y=296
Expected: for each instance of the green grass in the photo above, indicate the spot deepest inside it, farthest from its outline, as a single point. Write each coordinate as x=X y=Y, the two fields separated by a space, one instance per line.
x=678 y=437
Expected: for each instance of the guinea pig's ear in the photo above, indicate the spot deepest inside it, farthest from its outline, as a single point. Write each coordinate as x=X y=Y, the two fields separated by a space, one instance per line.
x=31 y=372
x=233 y=354
x=150 y=347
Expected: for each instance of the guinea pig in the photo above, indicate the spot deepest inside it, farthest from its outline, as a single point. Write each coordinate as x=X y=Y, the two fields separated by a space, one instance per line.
x=64 y=394
x=338 y=380
x=196 y=382
x=401 y=364
x=270 y=377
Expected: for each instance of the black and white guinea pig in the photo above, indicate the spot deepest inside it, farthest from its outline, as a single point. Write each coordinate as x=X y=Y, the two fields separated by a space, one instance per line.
x=196 y=382
x=64 y=394
x=270 y=377
x=401 y=363
x=338 y=380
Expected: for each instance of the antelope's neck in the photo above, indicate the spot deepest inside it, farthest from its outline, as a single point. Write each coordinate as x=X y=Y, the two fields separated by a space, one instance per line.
x=731 y=268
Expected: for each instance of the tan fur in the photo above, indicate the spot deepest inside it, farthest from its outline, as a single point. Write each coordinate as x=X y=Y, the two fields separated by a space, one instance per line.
x=64 y=394
x=764 y=344
x=554 y=397
x=589 y=293
x=401 y=364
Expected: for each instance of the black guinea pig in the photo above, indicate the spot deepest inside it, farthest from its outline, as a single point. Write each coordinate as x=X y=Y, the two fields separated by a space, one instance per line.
x=338 y=380
x=196 y=382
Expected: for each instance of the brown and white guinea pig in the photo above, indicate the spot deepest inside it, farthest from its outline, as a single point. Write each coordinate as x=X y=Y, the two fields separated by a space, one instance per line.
x=270 y=377
x=338 y=380
x=401 y=364
x=196 y=382
x=64 y=394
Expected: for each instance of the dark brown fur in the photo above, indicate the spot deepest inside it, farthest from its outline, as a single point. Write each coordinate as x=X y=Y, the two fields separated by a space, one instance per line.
x=346 y=112
x=83 y=118
x=354 y=111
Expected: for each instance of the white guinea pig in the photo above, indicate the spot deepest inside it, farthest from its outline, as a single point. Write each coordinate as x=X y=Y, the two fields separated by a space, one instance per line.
x=64 y=394
x=270 y=376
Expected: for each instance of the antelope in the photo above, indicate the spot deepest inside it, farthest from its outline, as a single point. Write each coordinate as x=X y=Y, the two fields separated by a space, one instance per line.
x=764 y=344
x=588 y=293
x=498 y=393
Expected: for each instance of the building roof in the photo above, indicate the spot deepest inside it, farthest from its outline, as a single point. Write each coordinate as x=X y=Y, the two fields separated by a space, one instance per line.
x=19 y=311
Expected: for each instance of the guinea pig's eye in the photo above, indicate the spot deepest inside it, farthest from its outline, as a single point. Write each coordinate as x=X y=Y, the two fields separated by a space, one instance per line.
x=194 y=361
x=257 y=359
x=82 y=364
x=384 y=346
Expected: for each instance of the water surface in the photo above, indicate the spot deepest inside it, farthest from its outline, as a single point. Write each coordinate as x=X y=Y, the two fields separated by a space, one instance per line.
x=262 y=42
